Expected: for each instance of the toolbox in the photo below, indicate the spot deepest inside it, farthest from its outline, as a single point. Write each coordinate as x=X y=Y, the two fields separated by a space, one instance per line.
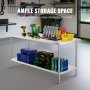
x=27 y=55
x=27 y=51
x=45 y=57
x=26 y=58
x=22 y=58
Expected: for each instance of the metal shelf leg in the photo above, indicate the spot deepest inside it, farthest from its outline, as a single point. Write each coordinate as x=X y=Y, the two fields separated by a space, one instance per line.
x=76 y=58
x=11 y=50
x=59 y=63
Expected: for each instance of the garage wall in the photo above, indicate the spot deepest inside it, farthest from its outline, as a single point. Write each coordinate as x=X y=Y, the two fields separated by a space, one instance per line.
x=70 y=23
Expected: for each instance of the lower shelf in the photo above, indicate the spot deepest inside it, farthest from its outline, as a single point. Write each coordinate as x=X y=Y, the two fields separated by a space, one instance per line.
x=71 y=68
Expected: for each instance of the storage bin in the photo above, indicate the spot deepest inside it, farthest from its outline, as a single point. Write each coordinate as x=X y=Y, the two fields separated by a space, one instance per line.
x=67 y=37
x=27 y=51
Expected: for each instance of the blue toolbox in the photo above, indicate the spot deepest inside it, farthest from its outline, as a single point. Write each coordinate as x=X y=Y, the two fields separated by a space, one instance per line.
x=27 y=51
x=22 y=58
x=32 y=58
x=26 y=58
x=27 y=55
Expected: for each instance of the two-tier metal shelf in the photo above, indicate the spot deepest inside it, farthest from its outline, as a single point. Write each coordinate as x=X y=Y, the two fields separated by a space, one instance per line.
x=59 y=44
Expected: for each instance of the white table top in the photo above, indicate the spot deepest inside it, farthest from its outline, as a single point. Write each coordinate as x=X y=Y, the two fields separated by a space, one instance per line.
x=37 y=40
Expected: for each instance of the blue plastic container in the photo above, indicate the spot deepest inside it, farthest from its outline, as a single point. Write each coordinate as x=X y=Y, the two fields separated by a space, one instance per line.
x=26 y=58
x=56 y=64
x=27 y=51
x=22 y=58
x=64 y=65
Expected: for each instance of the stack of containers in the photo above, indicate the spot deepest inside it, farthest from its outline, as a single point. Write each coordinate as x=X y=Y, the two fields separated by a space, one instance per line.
x=49 y=32
x=63 y=65
x=52 y=32
x=27 y=55
x=45 y=58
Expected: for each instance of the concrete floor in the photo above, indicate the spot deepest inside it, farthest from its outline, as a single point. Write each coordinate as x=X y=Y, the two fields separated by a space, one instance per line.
x=21 y=77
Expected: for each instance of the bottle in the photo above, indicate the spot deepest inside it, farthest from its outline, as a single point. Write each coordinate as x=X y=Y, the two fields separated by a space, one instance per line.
x=66 y=64
x=53 y=32
x=56 y=64
x=53 y=64
x=44 y=33
x=63 y=65
x=59 y=32
x=60 y=64
x=49 y=34
x=45 y=28
x=56 y=34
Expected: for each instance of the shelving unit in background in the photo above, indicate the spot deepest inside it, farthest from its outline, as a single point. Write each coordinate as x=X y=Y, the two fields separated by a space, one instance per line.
x=14 y=5
x=4 y=22
x=60 y=4
x=59 y=44
x=7 y=25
